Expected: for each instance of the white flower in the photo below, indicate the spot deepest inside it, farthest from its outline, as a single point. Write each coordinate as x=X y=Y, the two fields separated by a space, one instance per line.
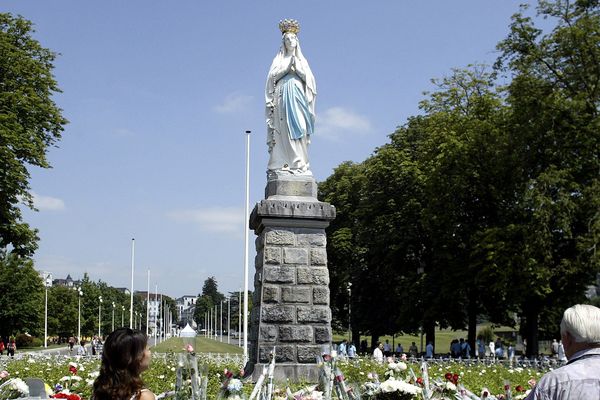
x=235 y=385
x=31 y=360
x=450 y=386
x=18 y=384
x=161 y=377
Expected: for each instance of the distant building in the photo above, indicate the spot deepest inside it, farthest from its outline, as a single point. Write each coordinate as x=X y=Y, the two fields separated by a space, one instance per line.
x=185 y=308
x=46 y=277
x=155 y=316
x=68 y=282
x=123 y=290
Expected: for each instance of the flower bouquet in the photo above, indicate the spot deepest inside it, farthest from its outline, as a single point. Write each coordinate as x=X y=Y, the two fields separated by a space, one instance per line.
x=395 y=387
x=232 y=387
x=12 y=388
x=191 y=383
x=68 y=383
x=332 y=381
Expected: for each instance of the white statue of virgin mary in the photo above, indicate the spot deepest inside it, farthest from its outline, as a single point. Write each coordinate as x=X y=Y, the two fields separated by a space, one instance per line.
x=290 y=106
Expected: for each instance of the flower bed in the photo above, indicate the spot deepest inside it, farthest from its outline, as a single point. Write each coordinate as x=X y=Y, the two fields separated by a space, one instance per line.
x=67 y=375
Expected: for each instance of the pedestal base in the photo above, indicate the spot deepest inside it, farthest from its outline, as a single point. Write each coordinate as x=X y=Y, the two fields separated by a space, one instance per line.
x=291 y=310
x=293 y=372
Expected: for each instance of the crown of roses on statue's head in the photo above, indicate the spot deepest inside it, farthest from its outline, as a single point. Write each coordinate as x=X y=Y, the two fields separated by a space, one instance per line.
x=289 y=25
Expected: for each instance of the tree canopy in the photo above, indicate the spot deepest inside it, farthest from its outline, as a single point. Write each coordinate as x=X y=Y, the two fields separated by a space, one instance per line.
x=485 y=204
x=30 y=123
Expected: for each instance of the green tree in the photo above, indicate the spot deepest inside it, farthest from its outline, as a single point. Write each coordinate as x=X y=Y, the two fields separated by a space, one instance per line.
x=207 y=300
x=554 y=97
x=62 y=311
x=22 y=299
x=30 y=122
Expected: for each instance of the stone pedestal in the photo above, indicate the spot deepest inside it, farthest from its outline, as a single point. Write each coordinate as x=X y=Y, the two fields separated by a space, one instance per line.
x=291 y=285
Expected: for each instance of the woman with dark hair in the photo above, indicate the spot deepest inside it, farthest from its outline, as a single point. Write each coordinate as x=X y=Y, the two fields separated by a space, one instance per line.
x=125 y=356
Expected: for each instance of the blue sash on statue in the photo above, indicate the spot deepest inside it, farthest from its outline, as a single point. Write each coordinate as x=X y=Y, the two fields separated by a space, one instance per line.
x=296 y=108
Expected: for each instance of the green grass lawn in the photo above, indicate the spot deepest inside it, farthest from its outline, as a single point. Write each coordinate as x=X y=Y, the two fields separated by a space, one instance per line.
x=201 y=345
x=443 y=337
x=50 y=347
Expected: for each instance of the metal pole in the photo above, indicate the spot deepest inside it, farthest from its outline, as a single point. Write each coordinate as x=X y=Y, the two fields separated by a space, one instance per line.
x=156 y=314
x=240 y=318
x=80 y=293
x=148 y=304
x=46 y=316
x=221 y=321
x=113 y=317
x=246 y=231
x=350 y=312
x=228 y=319
x=100 y=316
x=132 y=271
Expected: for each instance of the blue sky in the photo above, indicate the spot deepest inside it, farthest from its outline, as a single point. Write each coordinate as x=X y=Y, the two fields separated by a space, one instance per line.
x=159 y=94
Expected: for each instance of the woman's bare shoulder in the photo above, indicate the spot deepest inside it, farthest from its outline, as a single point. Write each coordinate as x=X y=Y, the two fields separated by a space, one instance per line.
x=147 y=395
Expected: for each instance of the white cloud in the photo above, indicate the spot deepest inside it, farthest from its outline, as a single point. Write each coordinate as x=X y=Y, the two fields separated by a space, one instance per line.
x=235 y=102
x=47 y=203
x=336 y=122
x=212 y=219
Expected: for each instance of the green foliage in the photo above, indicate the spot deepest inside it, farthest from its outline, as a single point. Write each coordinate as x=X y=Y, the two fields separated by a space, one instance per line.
x=487 y=334
x=30 y=122
x=23 y=340
x=22 y=299
x=487 y=203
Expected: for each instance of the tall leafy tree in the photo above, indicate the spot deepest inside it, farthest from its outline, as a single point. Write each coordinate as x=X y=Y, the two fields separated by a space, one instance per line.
x=207 y=300
x=22 y=299
x=30 y=122
x=554 y=96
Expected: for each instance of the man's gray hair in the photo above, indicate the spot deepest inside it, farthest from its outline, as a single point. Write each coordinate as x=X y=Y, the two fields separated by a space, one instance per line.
x=582 y=322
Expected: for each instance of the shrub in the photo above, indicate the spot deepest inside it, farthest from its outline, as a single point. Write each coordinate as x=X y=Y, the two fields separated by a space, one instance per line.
x=36 y=342
x=487 y=333
x=23 y=340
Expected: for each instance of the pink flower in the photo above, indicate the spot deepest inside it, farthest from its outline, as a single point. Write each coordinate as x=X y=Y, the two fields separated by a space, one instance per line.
x=403 y=357
x=189 y=348
x=3 y=374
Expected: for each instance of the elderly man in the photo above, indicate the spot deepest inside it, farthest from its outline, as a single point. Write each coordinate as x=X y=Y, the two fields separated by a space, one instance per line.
x=580 y=378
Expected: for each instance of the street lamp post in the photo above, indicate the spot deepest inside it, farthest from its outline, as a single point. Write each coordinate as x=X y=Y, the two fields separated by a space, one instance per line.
x=122 y=315
x=99 y=316
x=46 y=315
x=113 y=316
x=79 y=295
x=349 y=311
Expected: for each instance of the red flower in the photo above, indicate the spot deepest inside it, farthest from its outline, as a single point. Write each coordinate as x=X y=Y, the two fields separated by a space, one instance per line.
x=520 y=388
x=448 y=376
x=506 y=387
x=73 y=396
x=420 y=381
x=72 y=370
x=455 y=378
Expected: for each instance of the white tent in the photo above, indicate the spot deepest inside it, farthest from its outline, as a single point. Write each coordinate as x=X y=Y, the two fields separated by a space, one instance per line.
x=187 y=332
